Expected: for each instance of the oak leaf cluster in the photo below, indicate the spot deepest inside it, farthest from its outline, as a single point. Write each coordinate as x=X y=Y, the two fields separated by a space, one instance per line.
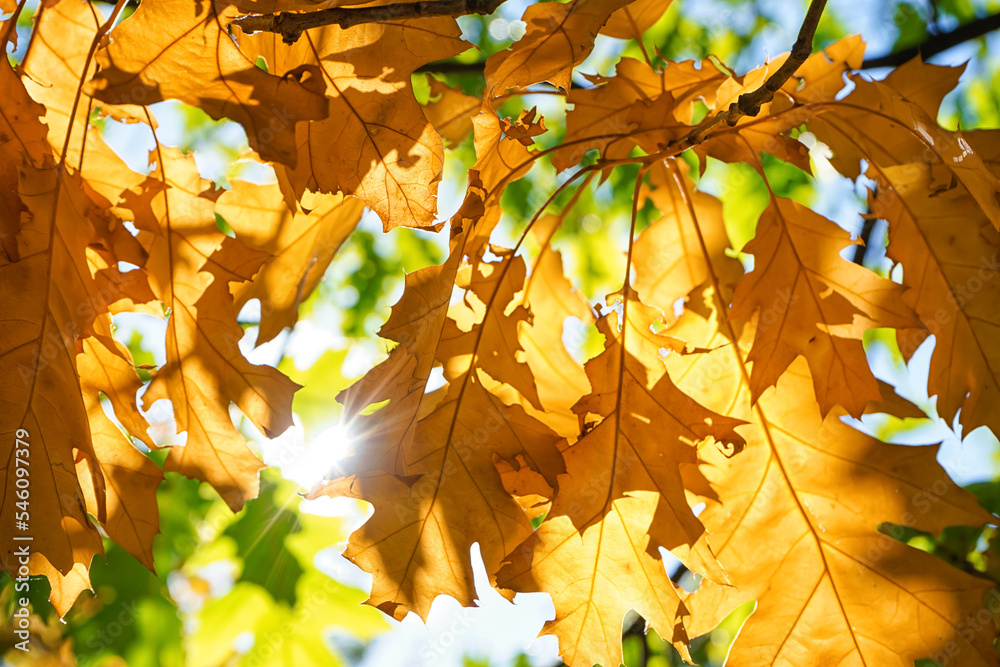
x=717 y=387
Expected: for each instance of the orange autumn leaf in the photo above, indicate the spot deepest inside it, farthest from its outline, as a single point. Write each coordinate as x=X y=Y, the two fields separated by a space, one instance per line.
x=952 y=284
x=164 y=37
x=670 y=262
x=301 y=246
x=191 y=264
x=801 y=506
x=621 y=498
x=559 y=36
x=451 y=451
x=524 y=129
x=635 y=18
x=22 y=138
x=450 y=111
x=813 y=303
x=494 y=416
x=50 y=303
x=128 y=500
x=387 y=153
x=608 y=115
x=560 y=380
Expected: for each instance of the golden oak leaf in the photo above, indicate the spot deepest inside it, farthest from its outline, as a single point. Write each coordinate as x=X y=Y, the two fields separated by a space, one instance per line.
x=596 y=575
x=65 y=588
x=449 y=457
x=622 y=499
x=73 y=290
x=387 y=154
x=816 y=304
x=668 y=255
x=450 y=111
x=923 y=84
x=190 y=266
x=22 y=138
x=878 y=122
x=559 y=36
x=617 y=113
x=528 y=488
x=130 y=513
x=422 y=452
x=745 y=142
x=417 y=544
x=160 y=39
x=301 y=246
x=560 y=379
x=485 y=323
x=821 y=76
x=950 y=255
x=525 y=128
x=106 y=366
x=415 y=322
x=499 y=160
x=53 y=69
x=817 y=80
x=635 y=18
x=651 y=109
x=50 y=304
x=794 y=520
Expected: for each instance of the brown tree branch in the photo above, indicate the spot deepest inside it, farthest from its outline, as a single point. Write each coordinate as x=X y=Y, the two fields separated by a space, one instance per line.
x=290 y=25
x=937 y=43
x=451 y=67
x=931 y=46
x=748 y=104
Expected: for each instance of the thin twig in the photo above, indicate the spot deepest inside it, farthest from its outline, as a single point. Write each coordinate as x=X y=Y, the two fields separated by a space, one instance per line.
x=290 y=25
x=748 y=104
x=937 y=43
x=861 y=250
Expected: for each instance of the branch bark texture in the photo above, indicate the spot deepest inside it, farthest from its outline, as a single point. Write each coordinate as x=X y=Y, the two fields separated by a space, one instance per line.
x=290 y=25
x=748 y=104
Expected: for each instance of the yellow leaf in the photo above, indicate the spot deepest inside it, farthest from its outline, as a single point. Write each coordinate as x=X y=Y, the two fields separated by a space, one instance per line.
x=668 y=255
x=811 y=302
x=450 y=111
x=162 y=38
x=374 y=141
x=22 y=138
x=637 y=106
x=301 y=246
x=50 y=304
x=190 y=266
x=416 y=544
x=560 y=380
x=621 y=499
x=794 y=520
x=130 y=515
x=635 y=18
x=559 y=36
x=950 y=254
